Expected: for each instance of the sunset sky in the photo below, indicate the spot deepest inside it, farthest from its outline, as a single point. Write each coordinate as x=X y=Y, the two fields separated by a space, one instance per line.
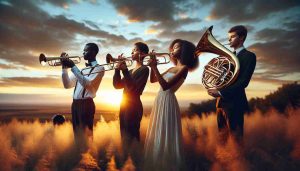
x=31 y=27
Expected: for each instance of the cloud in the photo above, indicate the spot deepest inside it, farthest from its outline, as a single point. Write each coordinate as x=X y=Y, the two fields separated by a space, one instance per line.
x=172 y=24
x=155 y=10
x=162 y=12
x=65 y=3
x=277 y=50
x=239 y=11
x=55 y=82
x=193 y=36
x=268 y=79
x=24 y=27
x=11 y=66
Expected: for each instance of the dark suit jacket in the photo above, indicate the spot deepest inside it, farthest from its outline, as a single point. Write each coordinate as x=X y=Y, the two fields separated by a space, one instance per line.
x=234 y=95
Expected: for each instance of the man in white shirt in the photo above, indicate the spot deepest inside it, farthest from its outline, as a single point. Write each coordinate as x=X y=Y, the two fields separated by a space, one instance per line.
x=86 y=83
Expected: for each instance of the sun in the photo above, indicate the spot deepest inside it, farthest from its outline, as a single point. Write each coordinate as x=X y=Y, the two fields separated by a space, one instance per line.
x=112 y=98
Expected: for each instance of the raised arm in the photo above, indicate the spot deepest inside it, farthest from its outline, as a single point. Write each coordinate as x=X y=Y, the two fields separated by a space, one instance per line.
x=153 y=78
x=137 y=82
x=118 y=83
x=68 y=81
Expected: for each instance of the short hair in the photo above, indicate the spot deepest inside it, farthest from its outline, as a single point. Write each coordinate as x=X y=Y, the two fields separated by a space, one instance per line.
x=240 y=30
x=187 y=56
x=93 y=47
x=143 y=47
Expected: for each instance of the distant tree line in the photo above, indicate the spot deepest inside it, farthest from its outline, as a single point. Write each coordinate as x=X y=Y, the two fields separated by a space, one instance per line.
x=285 y=97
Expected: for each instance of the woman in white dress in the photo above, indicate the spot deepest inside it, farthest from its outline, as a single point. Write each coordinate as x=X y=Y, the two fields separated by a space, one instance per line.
x=163 y=144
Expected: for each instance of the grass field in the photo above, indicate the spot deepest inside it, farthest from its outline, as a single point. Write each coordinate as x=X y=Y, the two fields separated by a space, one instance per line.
x=31 y=142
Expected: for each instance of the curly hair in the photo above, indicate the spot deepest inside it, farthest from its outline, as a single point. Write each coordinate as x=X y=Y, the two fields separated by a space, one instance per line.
x=187 y=56
x=143 y=47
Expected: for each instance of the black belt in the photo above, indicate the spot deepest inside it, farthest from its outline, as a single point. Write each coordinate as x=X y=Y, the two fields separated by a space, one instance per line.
x=81 y=100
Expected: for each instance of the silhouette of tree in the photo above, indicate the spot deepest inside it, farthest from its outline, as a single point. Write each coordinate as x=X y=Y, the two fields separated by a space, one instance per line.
x=286 y=96
x=204 y=107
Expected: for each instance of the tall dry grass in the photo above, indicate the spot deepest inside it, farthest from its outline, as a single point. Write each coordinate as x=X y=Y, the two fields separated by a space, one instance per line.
x=271 y=142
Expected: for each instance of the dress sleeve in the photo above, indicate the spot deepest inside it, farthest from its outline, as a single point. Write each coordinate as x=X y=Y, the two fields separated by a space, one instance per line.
x=137 y=83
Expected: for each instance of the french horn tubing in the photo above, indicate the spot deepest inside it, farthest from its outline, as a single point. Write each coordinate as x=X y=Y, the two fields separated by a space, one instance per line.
x=221 y=71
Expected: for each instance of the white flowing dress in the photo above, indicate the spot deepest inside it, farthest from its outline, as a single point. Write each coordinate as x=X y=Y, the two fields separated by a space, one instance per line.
x=163 y=143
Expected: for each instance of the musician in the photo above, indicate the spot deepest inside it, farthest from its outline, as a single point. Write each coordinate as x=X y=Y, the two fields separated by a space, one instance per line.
x=86 y=86
x=232 y=101
x=133 y=84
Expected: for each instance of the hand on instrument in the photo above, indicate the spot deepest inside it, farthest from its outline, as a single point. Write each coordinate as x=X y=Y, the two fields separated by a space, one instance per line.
x=63 y=55
x=66 y=62
x=121 y=66
x=152 y=62
x=213 y=92
x=121 y=57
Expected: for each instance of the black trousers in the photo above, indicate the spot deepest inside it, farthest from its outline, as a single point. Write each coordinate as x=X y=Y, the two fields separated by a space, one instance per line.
x=131 y=112
x=230 y=122
x=83 y=111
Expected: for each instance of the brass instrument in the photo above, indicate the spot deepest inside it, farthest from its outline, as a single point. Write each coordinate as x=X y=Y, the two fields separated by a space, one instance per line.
x=112 y=61
x=160 y=57
x=110 y=64
x=56 y=61
x=221 y=71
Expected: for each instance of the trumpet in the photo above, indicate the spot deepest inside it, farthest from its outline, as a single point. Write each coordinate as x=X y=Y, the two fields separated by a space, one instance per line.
x=112 y=61
x=56 y=61
x=160 y=57
x=110 y=64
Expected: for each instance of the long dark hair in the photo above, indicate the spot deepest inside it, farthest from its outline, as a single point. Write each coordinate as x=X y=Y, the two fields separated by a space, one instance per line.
x=187 y=56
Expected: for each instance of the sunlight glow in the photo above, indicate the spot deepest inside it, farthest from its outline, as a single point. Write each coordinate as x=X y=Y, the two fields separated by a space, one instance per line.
x=151 y=31
x=112 y=98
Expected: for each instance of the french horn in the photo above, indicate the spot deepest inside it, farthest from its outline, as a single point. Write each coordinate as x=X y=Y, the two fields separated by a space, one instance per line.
x=221 y=71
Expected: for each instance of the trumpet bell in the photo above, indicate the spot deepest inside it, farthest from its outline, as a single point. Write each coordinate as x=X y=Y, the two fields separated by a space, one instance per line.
x=56 y=61
x=43 y=60
x=111 y=62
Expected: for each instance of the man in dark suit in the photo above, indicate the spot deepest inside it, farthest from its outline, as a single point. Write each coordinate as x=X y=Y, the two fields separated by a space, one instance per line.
x=232 y=101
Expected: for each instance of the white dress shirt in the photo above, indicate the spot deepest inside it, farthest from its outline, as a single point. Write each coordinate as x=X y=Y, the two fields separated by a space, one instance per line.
x=87 y=84
x=238 y=50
